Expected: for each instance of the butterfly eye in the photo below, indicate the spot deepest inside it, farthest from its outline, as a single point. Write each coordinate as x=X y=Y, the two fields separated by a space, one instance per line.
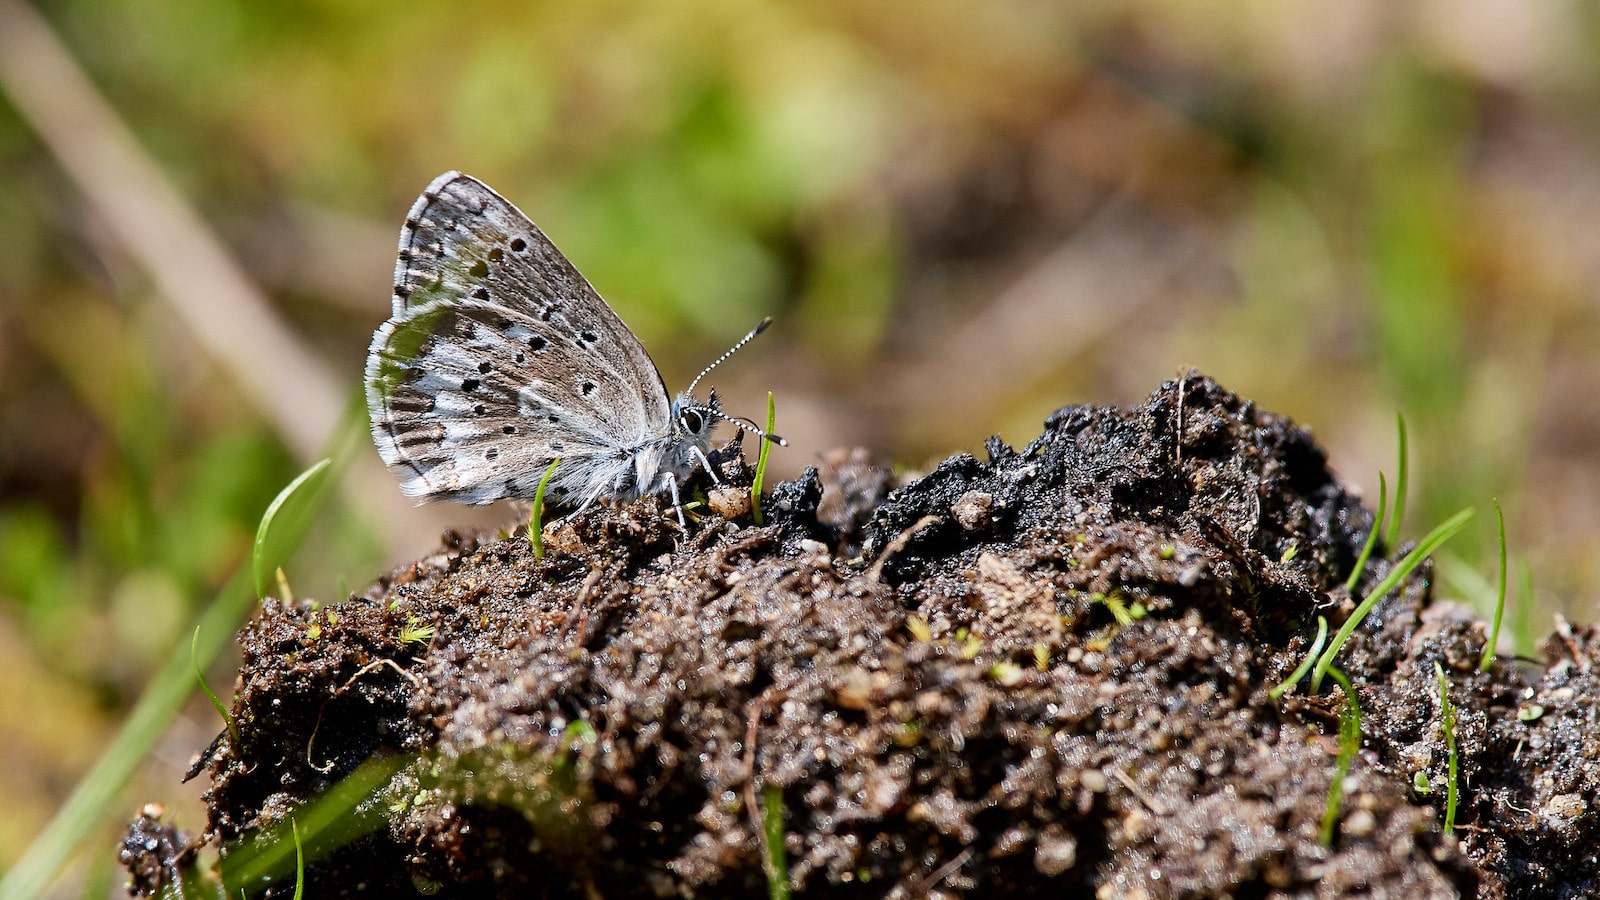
x=692 y=421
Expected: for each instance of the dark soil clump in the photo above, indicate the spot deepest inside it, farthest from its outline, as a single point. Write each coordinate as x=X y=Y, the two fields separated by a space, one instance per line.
x=1041 y=674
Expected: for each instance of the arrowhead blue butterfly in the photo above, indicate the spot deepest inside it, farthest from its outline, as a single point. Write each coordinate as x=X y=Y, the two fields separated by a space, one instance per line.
x=500 y=357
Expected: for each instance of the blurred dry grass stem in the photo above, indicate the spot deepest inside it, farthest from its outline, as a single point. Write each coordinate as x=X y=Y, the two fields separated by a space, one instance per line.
x=228 y=316
x=196 y=274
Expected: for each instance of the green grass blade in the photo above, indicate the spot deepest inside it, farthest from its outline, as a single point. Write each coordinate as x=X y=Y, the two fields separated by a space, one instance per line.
x=1305 y=664
x=1500 y=597
x=1447 y=717
x=331 y=820
x=777 y=864
x=1436 y=537
x=95 y=797
x=761 y=461
x=1523 y=629
x=536 y=523
x=1372 y=536
x=284 y=524
x=1349 y=745
x=200 y=676
x=1391 y=540
x=1459 y=578
x=96 y=793
x=101 y=877
x=299 y=862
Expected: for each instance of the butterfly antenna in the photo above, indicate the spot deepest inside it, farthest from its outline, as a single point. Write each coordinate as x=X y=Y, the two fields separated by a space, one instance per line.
x=732 y=350
x=745 y=425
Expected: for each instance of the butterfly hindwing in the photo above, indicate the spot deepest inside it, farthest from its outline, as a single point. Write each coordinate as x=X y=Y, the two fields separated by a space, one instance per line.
x=454 y=414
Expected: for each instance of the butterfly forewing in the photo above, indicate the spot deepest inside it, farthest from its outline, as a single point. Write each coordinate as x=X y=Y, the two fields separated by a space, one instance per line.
x=500 y=357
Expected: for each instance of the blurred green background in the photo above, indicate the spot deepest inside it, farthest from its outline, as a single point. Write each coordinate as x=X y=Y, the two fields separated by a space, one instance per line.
x=962 y=215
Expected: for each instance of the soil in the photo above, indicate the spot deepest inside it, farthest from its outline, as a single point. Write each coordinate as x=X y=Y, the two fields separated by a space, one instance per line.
x=1045 y=673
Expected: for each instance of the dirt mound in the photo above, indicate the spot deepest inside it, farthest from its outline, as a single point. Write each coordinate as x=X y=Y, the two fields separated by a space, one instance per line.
x=1038 y=673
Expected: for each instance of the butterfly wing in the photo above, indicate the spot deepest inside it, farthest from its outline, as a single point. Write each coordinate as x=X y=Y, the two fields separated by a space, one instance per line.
x=500 y=357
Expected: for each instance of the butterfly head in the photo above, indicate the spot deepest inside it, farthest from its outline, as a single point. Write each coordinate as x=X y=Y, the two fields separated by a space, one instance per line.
x=695 y=421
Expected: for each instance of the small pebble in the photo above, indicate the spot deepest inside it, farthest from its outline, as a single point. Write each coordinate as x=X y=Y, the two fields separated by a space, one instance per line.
x=1360 y=824
x=728 y=501
x=1564 y=806
x=972 y=511
x=1055 y=852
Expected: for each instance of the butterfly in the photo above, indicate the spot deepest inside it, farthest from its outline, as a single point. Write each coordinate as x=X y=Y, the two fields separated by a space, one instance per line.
x=500 y=358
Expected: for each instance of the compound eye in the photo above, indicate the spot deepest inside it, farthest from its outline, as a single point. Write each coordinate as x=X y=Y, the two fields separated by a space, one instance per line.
x=692 y=421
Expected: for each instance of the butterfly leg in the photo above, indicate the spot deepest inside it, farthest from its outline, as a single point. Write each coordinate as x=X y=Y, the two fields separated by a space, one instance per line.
x=672 y=486
x=706 y=461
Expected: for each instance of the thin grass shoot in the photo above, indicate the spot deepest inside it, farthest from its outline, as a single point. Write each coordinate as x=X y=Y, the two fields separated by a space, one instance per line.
x=1349 y=745
x=299 y=861
x=1305 y=664
x=1404 y=567
x=1447 y=721
x=1372 y=536
x=1392 y=538
x=536 y=523
x=1523 y=628
x=761 y=461
x=1461 y=579
x=776 y=862
x=284 y=523
x=200 y=676
x=1500 y=596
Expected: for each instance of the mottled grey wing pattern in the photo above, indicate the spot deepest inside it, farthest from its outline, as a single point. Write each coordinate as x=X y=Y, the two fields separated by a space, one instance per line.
x=500 y=357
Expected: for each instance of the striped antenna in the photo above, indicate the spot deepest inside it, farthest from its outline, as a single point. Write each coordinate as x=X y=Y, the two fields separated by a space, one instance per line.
x=744 y=424
x=732 y=350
